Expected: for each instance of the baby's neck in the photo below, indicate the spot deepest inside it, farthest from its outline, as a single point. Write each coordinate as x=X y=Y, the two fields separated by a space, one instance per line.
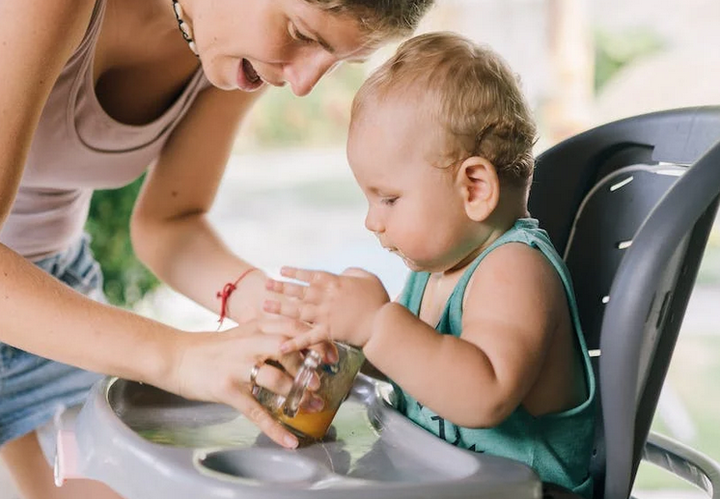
x=508 y=211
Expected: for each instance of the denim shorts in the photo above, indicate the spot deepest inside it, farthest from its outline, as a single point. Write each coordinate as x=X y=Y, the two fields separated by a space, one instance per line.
x=34 y=389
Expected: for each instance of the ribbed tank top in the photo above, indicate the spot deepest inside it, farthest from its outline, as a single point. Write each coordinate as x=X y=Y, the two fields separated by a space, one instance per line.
x=77 y=148
x=558 y=445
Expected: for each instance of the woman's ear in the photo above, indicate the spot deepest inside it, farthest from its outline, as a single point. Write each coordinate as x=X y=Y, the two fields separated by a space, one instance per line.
x=479 y=187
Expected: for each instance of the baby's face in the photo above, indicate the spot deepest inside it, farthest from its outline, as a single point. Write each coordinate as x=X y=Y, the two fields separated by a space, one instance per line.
x=247 y=43
x=415 y=207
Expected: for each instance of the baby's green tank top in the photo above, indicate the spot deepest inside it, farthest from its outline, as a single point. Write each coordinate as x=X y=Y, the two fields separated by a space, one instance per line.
x=557 y=446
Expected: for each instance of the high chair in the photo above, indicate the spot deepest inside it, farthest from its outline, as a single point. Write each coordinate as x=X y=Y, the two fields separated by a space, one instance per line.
x=630 y=205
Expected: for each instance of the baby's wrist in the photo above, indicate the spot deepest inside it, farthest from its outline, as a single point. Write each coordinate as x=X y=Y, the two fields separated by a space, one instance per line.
x=379 y=327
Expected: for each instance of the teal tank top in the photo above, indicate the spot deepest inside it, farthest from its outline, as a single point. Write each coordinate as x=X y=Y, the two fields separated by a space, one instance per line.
x=557 y=446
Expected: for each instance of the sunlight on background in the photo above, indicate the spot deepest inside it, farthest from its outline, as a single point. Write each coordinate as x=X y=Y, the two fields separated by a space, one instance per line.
x=289 y=198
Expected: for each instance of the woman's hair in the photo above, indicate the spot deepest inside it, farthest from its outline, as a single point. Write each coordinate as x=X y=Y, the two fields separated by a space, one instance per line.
x=467 y=89
x=381 y=19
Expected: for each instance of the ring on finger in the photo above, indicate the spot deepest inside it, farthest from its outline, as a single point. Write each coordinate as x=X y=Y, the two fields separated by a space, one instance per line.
x=253 y=374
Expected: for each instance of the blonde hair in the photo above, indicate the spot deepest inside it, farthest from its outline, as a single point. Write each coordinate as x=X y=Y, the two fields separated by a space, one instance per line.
x=473 y=95
x=380 y=19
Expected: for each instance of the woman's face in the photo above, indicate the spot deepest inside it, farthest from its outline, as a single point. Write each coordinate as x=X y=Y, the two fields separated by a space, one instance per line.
x=246 y=43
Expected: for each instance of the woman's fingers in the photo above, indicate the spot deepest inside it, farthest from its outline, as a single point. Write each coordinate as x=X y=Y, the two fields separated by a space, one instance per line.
x=311 y=402
x=274 y=379
x=283 y=326
x=256 y=413
x=291 y=362
x=315 y=335
x=253 y=345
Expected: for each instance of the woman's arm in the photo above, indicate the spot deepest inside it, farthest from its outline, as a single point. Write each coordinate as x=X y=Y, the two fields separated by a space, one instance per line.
x=36 y=39
x=170 y=231
x=43 y=316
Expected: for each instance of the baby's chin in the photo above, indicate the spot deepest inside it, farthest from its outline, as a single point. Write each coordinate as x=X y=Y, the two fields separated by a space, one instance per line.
x=413 y=266
x=420 y=267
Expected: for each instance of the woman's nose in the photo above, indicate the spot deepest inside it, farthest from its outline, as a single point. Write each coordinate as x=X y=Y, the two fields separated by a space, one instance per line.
x=304 y=72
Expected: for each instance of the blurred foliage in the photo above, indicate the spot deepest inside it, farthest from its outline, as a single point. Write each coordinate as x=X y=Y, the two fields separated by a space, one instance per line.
x=614 y=50
x=126 y=279
x=280 y=119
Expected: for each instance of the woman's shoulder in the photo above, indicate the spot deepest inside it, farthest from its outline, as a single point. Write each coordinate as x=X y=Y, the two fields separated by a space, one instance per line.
x=58 y=27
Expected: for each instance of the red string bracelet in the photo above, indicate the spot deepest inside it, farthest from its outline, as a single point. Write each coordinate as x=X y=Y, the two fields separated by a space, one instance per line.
x=226 y=291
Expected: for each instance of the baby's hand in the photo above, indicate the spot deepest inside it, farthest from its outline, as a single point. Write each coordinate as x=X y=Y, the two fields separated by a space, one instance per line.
x=327 y=306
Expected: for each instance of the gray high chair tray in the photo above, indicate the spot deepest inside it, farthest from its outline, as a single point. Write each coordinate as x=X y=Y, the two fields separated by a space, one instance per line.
x=144 y=442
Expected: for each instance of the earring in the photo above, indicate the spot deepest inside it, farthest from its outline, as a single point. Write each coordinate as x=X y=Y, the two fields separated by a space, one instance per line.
x=185 y=28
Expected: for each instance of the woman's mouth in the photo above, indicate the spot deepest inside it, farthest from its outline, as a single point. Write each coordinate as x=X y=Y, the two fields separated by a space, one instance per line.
x=247 y=78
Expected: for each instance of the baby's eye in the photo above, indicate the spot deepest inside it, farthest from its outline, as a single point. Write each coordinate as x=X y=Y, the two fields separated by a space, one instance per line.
x=297 y=35
x=389 y=201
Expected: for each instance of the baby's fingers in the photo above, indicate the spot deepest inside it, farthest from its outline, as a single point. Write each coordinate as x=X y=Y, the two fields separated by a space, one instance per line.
x=291 y=308
x=327 y=350
x=308 y=276
x=285 y=288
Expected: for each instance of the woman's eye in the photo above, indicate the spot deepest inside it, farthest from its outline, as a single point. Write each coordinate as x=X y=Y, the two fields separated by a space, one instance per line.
x=297 y=35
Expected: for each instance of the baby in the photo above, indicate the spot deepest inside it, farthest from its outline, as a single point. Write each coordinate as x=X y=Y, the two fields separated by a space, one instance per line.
x=484 y=346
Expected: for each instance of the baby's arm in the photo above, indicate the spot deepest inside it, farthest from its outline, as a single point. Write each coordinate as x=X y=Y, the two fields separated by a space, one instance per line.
x=476 y=380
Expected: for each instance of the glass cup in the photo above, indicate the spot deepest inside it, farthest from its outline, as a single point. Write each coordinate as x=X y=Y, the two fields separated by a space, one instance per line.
x=336 y=380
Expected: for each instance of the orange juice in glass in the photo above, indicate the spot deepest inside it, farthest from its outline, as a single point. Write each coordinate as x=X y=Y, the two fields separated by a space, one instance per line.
x=336 y=380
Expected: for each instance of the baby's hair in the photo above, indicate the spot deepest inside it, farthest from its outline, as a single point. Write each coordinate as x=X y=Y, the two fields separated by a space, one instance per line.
x=380 y=19
x=470 y=91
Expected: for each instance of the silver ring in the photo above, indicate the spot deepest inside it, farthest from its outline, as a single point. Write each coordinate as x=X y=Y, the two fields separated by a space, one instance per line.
x=253 y=374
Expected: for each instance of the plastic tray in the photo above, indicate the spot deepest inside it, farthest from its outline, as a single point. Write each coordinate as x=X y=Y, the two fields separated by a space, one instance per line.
x=144 y=442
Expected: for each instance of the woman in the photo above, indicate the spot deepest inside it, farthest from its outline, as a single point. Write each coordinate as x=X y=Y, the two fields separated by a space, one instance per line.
x=95 y=92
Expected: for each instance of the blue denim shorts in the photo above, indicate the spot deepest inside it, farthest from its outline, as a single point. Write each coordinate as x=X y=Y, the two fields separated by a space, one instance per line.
x=34 y=389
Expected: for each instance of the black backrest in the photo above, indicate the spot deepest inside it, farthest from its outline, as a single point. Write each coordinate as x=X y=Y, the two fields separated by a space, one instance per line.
x=592 y=193
x=648 y=300
x=602 y=231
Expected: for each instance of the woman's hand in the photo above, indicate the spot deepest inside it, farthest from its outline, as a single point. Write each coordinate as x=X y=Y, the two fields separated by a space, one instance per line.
x=327 y=307
x=217 y=367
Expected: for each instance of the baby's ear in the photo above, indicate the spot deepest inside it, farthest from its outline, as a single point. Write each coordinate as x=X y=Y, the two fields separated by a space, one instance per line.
x=479 y=186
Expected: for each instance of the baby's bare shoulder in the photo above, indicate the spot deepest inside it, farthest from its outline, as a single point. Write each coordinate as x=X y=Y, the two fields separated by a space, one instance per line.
x=516 y=278
x=518 y=263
